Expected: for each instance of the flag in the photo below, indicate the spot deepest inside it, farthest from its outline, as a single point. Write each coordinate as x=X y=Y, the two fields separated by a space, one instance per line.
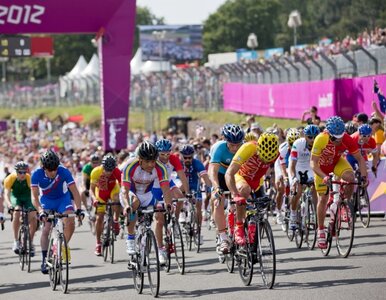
x=381 y=97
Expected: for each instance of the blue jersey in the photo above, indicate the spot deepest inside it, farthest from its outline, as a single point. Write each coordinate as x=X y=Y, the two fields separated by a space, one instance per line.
x=52 y=189
x=220 y=154
x=193 y=174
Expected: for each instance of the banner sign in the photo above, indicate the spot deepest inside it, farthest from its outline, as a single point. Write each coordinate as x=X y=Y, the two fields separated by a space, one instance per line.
x=114 y=23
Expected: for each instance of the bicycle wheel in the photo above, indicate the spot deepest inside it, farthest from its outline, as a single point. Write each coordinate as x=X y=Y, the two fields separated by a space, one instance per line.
x=344 y=225
x=267 y=253
x=290 y=233
x=197 y=236
x=111 y=247
x=169 y=247
x=63 y=264
x=326 y=251
x=310 y=224
x=137 y=271
x=245 y=263
x=152 y=263
x=364 y=208
x=299 y=232
x=230 y=257
x=27 y=252
x=22 y=247
x=51 y=261
x=106 y=240
x=179 y=251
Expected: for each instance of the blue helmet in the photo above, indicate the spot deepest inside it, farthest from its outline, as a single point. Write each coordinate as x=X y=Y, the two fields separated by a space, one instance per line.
x=187 y=150
x=163 y=145
x=311 y=130
x=365 y=129
x=335 y=126
x=233 y=133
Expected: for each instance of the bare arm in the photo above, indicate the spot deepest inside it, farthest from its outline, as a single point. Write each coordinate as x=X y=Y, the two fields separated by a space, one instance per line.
x=167 y=194
x=93 y=191
x=7 y=197
x=213 y=174
x=206 y=179
x=292 y=168
x=378 y=113
x=361 y=163
x=75 y=193
x=35 y=199
x=184 y=181
x=314 y=163
x=230 y=178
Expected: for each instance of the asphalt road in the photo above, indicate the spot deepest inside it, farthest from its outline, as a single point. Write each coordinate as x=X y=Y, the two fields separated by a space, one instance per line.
x=300 y=273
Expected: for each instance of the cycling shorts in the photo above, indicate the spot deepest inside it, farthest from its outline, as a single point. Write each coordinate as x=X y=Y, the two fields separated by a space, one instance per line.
x=113 y=195
x=255 y=184
x=26 y=203
x=340 y=168
x=59 y=205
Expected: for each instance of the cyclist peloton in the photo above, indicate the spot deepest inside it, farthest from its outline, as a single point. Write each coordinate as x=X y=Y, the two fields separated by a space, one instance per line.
x=86 y=172
x=105 y=185
x=222 y=154
x=326 y=157
x=194 y=170
x=138 y=177
x=245 y=174
x=281 y=175
x=17 y=194
x=300 y=162
x=55 y=183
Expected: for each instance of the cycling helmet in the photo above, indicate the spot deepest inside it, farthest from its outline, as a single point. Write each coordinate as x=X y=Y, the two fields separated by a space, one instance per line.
x=335 y=126
x=21 y=166
x=365 y=129
x=147 y=151
x=350 y=127
x=311 y=130
x=163 y=145
x=292 y=135
x=95 y=157
x=268 y=146
x=109 y=162
x=233 y=133
x=50 y=160
x=187 y=150
x=250 y=137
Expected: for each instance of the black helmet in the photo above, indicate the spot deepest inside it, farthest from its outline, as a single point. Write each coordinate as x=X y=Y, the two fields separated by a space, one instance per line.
x=21 y=166
x=187 y=150
x=50 y=160
x=109 y=163
x=350 y=127
x=95 y=157
x=147 y=151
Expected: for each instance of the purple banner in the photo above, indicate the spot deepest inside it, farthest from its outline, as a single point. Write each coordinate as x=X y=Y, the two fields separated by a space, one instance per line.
x=113 y=20
x=377 y=188
x=344 y=97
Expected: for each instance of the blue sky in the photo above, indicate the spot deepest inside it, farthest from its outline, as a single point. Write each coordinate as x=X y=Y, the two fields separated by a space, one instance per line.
x=182 y=11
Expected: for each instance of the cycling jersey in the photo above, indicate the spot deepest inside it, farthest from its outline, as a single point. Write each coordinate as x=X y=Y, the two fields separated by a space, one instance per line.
x=329 y=153
x=369 y=147
x=173 y=164
x=106 y=187
x=20 y=190
x=140 y=182
x=252 y=168
x=87 y=169
x=193 y=173
x=302 y=155
x=220 y=154
x=284 y=153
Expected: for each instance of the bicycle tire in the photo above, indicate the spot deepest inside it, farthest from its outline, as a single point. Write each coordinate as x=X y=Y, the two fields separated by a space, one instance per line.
x=344 y=224
x=106 y=239
x=230 y=257
x=21 y=247
x=152 y=263
x=51 y=264
x=111 y=246
x=137 y=273
x=310 y=224
x=299 y=232
x=179 y=251
x=364 y=211
x=63 y=264
x=245 y=262
x=267 y=253
x=27 y=253
x=168 y=246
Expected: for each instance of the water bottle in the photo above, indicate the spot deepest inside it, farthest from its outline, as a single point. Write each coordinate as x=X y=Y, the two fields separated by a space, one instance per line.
x=231 y=222
x=251 y=231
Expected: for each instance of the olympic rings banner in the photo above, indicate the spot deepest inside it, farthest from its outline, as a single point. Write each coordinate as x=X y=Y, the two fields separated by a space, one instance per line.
x=112 y=21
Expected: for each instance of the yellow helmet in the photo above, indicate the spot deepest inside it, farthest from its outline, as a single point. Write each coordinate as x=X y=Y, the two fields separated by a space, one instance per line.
x=268 y=146
x=250 y=137
x=292 y=135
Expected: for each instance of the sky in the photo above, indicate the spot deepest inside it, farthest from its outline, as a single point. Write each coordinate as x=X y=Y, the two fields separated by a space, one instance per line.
x=178 y=12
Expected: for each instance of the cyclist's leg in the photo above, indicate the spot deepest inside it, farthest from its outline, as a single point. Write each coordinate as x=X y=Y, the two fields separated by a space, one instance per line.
x=31 y=218
x=84 y=196
x=66 y=207
x=344 y=170
x=134 y=204
x=16 y=204
x=245 y=191
x=114 y=196
x=198 y=198
x=177 y=194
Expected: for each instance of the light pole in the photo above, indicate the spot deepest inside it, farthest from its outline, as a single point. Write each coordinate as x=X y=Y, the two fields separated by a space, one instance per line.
x=294 y=20
x=160 y=36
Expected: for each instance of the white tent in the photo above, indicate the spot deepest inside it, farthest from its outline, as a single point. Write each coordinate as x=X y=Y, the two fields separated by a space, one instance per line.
x=136 y=62
x=79 y=67
x=92 y=68
x=155 y=66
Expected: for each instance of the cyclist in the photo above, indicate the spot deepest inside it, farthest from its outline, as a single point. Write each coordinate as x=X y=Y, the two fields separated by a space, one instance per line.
x=326 y=157
x=55 y=183
x=300 y=162
x=281 y=175
x=194 y=170
x=366 y=145
x=245 y=174
x=17 y=194
x=221 y=156
x=105 y=184
x=138 y=177
x=172 y=163
x=95 y=161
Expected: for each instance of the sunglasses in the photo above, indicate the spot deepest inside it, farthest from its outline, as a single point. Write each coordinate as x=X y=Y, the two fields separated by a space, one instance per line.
x=22 y=172
x=311 y=137
x=188 y=157
x=366 y=136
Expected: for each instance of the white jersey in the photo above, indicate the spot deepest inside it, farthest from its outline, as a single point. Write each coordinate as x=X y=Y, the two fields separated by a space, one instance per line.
x=302 y=155
x=281 y=160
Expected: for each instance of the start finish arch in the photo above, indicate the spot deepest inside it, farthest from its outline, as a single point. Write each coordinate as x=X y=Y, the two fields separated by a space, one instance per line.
x=113 y=21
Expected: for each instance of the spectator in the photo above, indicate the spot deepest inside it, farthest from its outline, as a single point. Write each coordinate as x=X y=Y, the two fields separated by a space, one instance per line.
x=360 y=119
x=313 y=119
x=250 y=120
x=257 y=129
x=378 y=131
